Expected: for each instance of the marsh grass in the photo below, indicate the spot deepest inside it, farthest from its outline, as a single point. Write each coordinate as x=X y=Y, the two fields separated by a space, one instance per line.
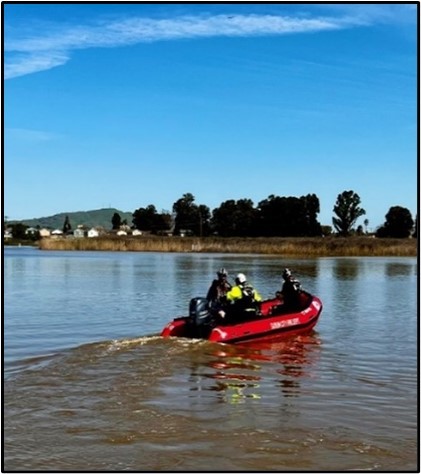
x=299 y=247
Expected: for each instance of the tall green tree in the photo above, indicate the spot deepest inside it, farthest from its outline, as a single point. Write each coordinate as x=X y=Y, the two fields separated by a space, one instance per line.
x=235 y=218
x=186 y=213
x=148 y=219
x=191 y=217
x=116 y=221
x=19 y=230
x=245 y=218
x=66 y=226
x=398 y=224
x=311 y=205
x=289 y=216
x=222 y=218
x=347 y=210
x=273 y=216
x=204 y=220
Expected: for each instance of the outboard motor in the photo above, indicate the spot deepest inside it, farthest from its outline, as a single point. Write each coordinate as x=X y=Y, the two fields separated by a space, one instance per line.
x=200 y=317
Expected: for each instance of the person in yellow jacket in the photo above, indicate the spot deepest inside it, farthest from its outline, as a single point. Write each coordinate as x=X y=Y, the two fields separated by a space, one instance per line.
x=243 y=299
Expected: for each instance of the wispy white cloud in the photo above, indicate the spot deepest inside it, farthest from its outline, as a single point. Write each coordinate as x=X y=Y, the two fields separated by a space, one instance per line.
x=39 y=52
x=378 y=13
x=27 y=135
x=22 y=64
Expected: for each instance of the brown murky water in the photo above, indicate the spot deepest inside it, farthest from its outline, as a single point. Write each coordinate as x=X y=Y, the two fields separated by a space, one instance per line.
x=341 y=398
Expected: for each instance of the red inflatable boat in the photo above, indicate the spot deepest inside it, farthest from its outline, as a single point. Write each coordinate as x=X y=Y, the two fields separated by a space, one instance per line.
x=272 y=321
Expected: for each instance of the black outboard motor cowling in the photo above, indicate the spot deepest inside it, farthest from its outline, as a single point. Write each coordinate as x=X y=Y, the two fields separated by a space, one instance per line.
x=199 y=312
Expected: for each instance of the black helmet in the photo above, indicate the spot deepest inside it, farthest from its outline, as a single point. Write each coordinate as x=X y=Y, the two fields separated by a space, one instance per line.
x=222 y=272
x=286 y=273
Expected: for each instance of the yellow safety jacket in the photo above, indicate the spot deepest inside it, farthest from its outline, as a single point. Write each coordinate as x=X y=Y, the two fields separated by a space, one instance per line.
x=239 y=291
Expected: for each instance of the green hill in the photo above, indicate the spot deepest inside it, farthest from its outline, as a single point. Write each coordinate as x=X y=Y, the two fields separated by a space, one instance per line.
x=99 y=217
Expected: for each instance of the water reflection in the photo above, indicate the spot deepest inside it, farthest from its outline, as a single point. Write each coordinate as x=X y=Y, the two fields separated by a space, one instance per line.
x=293 y=360
x=116 y=270
x=306 y=269
x=252 y=371
x=399 y=269
x=346 y=269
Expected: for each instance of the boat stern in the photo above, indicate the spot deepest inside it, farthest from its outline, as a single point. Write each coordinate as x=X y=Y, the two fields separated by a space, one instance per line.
x=176 y=328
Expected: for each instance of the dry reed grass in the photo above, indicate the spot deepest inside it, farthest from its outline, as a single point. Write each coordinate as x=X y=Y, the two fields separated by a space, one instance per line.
x=299 y=247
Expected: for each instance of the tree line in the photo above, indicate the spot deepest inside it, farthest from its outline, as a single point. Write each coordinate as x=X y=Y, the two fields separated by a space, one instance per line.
x=275 y=216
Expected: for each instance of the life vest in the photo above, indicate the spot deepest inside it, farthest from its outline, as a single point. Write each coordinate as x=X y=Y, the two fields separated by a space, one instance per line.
x=247 y=301
x=248 y=292
x=247 y=304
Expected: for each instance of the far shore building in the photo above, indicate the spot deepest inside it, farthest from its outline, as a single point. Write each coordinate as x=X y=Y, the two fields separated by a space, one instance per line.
x=31 y=231
x=93 y=233
x=137 y=232
x=44 y=232
x=57 y=233
x=79 y=233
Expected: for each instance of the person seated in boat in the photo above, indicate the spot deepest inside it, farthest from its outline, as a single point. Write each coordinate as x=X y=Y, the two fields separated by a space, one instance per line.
x=291 y=289
x=219 y=287
x=242 y=300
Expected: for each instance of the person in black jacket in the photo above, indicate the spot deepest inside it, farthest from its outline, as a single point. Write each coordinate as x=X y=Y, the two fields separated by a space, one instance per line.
x=219 y=287
x=290 y=293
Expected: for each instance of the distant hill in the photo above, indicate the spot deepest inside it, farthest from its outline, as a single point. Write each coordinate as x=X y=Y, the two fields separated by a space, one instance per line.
x=99 y=217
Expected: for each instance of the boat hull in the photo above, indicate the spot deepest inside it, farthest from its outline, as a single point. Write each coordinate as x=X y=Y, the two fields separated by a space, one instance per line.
x=274 y=323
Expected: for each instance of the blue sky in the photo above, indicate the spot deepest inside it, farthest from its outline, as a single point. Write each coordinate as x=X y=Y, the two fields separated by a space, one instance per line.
x=126 y=105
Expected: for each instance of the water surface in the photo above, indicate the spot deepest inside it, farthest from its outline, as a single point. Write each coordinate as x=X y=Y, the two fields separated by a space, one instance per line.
x=89 y=384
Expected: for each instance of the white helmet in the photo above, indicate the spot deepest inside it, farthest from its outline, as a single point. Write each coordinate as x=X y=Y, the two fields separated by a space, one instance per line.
x=240 y=278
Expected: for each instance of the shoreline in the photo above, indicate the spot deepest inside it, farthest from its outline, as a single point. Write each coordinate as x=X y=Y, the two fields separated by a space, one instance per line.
x=291 y=247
